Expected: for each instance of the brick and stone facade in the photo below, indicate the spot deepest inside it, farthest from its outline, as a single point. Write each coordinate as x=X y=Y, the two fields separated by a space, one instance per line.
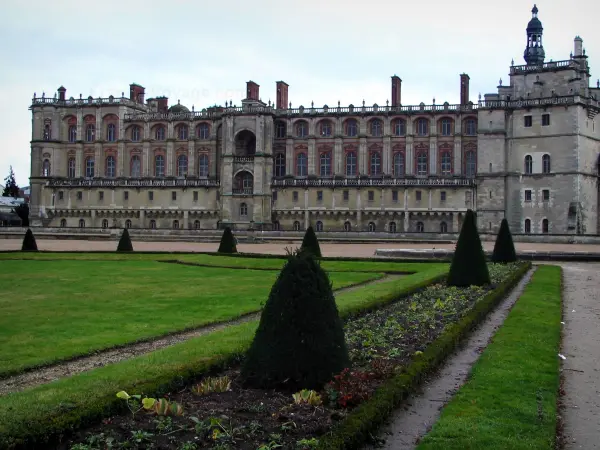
x=528 y=152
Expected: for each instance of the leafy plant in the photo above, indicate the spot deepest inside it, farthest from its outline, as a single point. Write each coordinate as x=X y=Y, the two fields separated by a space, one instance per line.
x=305 y=444
x=188 y=446
x=161 y=407
x=140 y=436
x=349 y=388
x=308 y=397
x=213 y=384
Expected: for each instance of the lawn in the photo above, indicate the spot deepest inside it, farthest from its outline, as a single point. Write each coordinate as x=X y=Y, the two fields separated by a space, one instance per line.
x=53 y=310
x=510 y=399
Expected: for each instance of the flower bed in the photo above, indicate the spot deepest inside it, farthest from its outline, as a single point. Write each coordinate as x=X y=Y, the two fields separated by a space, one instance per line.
x=381 y=344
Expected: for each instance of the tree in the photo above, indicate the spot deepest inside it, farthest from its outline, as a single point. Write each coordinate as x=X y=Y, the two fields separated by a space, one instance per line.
x=468 y=267
x=299 y=343
x=227 y=244
x=22 y=211
x=29 y=244
x=504 y=248
x=125 y=244
x=11 y=189
x=310 y=243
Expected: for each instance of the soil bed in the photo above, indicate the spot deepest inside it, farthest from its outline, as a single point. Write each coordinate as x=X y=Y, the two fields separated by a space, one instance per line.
x=381 y=343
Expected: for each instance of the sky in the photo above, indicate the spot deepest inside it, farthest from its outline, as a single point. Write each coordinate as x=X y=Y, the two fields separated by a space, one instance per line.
x=202 y=53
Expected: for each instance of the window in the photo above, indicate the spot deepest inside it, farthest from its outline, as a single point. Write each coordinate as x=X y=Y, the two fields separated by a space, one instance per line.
x=351 y=128
x=422 y=127
x=442 y=196
x=243 y=210
x=135 y=133
x=159 y=166
x=182 y=132
x=351 y=164
x=296 y=226
x=71 y=168
x=527 y=121
x=528 y=164
x=399 y=127
x=295 y=196
x=470 y=127
x=326 y=128
x=280 y=130
x=105 y=223
x=301 y=129
x=420 y=227
x=111 y=132
x=126 y=195
x=546 y=164
x=274 y=196
x=418 y=195
x=276 y=226
x=399 y=165
x=446 y=163
x=546 y=195
x=203 y=131
x=182 y=165
x=545 y=120
x=301 y=165
x=443 y=227
x=395 y=196
x=195 y=196
x=203 y=165
x=79 y=195
x=46 y=168
x=470 y=164
x=346 y=195
x=545 y=226
x=319 y=225
x=527 y=226
x=347 y=226
x=90 y=132
x=422 y=163
x=73 y=133
x=371 y=196
x=280 y=165
x=528 y=195
x=325 y=164
x=376 y=127
x=159 y=133
x=371 y=227
x=150 y=195
x=100 y=195
x=176 y=224
x=446 y=127
x=128 y=223
x=61 y=195
x=319 y=196
x=153 y=224
x=392 y=227
x=136 y=166
x=89 y=167
x=173 y=195
x=375 y=163
x=63 y=223
x=196 y=224
x=47 y=130
x=81 y=223
x=111 y=167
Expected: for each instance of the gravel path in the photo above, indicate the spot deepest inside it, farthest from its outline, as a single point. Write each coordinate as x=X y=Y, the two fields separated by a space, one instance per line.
x=102 y=358
x=422 y=409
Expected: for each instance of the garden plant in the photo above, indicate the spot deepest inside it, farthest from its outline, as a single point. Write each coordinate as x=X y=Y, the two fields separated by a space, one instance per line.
x=125 y=244
x=310 y=243
x=504 y=248
x=227 y=244
x=29 y=243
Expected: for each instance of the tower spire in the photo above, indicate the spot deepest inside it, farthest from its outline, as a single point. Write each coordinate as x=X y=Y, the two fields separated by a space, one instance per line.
x=534 y=51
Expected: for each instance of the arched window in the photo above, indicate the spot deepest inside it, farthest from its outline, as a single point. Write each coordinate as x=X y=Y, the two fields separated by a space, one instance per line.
x=104 y=223
x=301 y=129
x=527 y=226
x=446 y=127
x=176 y=224
x=73 y=133
x=296 y=226
x=280 y=165
x=376 y=127
x=90 y=132
x=280 y=130
x=63 y=223
x=371 y=227
x=203 y=131
x=545 y=226
x=470 y=127
x=159 y=133
x=443 y=227
x=111 y=167
x=89 y=167
x=399 y=127
x=446 y=163
x=351 y=128
x=47 y=130
x=136 y=166
x=319 y=225
x=111 y=132
x=243 y=210
x=275 y=226
x=182 y=165
x=182 y=132
x=399 y=165
x=203 y=165
x=546 y=164
x=301 y=165
x=347 y=226
x=196 y=224
x=71 y=168
x=128 y=223
x=135 y=133
x=375 y=163
x=420 y=227
x=528 y=164
x=159 y=166
x=46 y=168
x=81 y=223
x=392 y=227
x=325 y=164
x=350 y=164
x=422 y=127
x=326 y=128
x=422 y=163
x=470 y=164
x=153 y=224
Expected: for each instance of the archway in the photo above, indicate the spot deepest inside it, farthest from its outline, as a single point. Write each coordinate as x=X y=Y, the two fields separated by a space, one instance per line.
x=245 y=143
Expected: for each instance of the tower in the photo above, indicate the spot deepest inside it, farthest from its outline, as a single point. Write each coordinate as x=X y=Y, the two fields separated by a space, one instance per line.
x=534 y=52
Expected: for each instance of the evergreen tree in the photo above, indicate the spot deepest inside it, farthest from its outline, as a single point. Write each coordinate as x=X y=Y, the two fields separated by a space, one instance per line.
x=504 y=248
x=227 y=244
x=29 y=244
x=468 y=267
x=11 y=189
x=23 y=212
x=310 y=243
x=125 y=244
x=299 y=343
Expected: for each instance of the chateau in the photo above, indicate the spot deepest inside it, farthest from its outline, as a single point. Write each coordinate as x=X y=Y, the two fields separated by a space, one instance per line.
x=528 y=153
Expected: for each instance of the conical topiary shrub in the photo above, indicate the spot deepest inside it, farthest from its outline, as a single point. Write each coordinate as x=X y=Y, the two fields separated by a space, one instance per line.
x=125 y=244
x=504 y=248
x=310 y=243
x=468 y=267
x=29 y=244
x=227 y=242
x=299 y=343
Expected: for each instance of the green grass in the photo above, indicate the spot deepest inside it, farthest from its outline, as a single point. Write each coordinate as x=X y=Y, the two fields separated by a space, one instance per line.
x=510 y=398
x=53 y=310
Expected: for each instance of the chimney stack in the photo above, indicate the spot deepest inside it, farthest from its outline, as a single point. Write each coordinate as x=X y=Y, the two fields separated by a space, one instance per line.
x=578 y=47
x=282 y=95
x=136 y=93
x=464 y=89
x=62 y=93
x=252 y=91
x=163 y=104
x=396 y=91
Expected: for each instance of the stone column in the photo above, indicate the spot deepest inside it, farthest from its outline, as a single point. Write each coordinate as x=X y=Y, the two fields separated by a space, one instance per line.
x=78 y=161
x=121 y=159
x=410 y=158
x=358 y=211
x=406 y=212
x=99 y=125
x=306 y=210
x=289 y=157
x=429 y=205
x=192 y=169
x=80 y=128
x=433 y=156
x=455 y=223
x=145 y=169
x=363 y=157
x=98 y=161
x=311 y=157
x=387 y=168
x=260 y=130
x=457 y=157
x=338 y=153
x=169 y=158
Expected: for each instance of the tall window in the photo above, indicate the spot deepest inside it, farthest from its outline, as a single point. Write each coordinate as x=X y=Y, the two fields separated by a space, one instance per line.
x=81 y=223
x=422 y=163
x=527 y=226
x=182 y=132
x=279 y=165
x=72 y=133
x=203 y=131
x=159 y=166
x=325 y=164
x=182 y=165
x=545 y=226
x=111 y=132
x=135 y=133
x=243 y=210
x=159 y=133
x=128 y=223
x=546 y=164
x=399 y=127
x=528 y=164
x=372 y=227
x=470 y=164
x=470 y=127
x=46 y=168
x=203 y=165
x=420 y=227
x=136 y=166
x=104 y=223
x=326 y=128
x=446 y=163
x=301 y=165
x=351 y=164
x=446 y=127
x=399 y=165
x=319 y=226
x=111 y=167
x=296 y=226
x=153 y=224
x=422 y=127
x=351 y=128
x=89 y=167
x=375 y=163
x=301 y=129
x=280 y=130
x=71 y=168
x=90 y=132
x=47 y=130
x=392 y=227
x=443 y=227
x=376 y=127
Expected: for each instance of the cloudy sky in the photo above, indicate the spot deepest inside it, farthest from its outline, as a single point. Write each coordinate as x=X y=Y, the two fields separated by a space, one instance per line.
x=203 y=52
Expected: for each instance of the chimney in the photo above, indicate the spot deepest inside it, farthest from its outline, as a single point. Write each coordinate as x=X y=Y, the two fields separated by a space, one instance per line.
x=464 y=89
x=252 y=91
x=163 y=104
x=578 y=47
x=62 y=93
x=396 y=91
x=282 y=95
x=136 y=93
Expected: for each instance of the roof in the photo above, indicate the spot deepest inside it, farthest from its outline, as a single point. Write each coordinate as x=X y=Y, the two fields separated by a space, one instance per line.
x=10 y=201
x=178 y=108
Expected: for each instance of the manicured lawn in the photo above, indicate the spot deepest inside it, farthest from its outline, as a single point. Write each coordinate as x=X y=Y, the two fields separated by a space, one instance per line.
x=510 y=399
x=53 y=310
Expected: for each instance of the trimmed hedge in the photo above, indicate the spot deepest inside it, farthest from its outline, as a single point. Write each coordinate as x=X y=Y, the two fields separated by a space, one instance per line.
x=125 y=244
x=359 y=425
x=29 y=243
x=227 y=244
